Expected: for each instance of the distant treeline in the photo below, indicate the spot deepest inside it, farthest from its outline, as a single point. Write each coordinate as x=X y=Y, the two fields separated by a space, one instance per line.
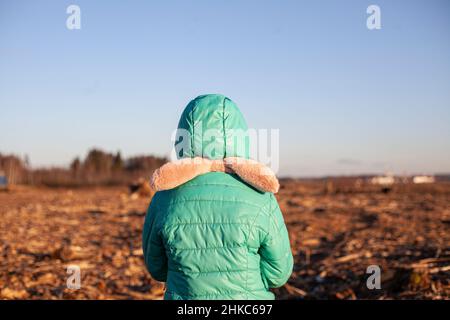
x=98 y=168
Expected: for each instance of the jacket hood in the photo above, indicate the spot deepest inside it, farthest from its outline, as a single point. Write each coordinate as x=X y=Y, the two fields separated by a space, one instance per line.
x=211 y=126
x=212 y=136
x=174 y=174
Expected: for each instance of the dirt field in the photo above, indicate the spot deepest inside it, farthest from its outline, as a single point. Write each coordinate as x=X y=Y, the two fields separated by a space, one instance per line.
x=337 y=230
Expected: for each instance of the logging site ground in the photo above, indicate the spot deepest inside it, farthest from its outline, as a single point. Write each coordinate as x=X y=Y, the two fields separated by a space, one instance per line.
x=337 y=229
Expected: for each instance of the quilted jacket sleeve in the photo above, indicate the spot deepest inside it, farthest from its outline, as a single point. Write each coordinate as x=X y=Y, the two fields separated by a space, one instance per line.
x=154 y=253
x=275 y=250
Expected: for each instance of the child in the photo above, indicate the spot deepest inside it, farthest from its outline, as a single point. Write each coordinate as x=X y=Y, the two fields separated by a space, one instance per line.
x=214 y=229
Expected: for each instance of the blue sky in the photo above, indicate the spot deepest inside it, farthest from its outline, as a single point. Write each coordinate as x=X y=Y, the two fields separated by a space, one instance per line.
x=346 y=99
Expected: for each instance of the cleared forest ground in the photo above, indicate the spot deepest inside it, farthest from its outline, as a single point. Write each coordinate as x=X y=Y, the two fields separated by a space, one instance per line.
x=337 y=229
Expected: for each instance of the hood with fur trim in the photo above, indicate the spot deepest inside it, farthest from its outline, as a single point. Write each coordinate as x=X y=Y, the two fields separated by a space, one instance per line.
x=213 y=136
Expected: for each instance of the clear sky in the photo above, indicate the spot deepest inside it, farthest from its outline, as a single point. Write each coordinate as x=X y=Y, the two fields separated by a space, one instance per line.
x=346 y=99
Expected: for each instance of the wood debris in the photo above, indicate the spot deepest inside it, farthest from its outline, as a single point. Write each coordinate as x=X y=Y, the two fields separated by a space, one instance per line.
x=336 y=232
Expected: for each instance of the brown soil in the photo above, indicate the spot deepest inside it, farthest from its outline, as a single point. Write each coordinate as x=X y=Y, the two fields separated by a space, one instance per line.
x=337 y=230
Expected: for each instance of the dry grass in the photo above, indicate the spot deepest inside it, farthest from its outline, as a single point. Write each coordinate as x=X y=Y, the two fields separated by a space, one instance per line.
x=336 y=231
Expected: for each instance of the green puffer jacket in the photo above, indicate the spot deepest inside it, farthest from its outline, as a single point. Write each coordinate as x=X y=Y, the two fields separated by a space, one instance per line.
x=211 y=231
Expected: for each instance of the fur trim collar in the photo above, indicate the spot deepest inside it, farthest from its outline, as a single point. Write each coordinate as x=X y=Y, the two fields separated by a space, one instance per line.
x=173 y=174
